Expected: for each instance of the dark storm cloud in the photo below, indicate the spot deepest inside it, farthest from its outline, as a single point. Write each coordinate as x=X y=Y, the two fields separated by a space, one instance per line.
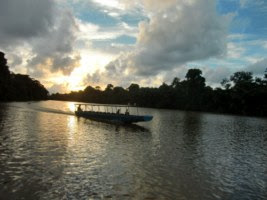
x=47 y=32
x=56 y=47
x=24 y=19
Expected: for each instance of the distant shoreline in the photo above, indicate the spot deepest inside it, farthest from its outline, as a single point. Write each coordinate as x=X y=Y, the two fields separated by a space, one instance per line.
x=242 y=94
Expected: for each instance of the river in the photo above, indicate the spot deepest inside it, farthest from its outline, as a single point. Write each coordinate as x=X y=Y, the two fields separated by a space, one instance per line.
x=46 y=152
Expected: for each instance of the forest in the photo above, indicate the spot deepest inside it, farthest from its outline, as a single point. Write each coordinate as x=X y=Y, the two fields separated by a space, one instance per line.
x=19 y=87
x=241 y=94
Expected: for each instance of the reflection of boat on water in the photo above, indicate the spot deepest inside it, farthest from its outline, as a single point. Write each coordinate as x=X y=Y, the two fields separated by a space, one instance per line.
x=110 y=113
x=119 y=127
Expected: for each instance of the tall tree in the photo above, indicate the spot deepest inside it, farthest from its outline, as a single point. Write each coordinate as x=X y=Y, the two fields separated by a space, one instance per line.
x=18 y=87
x=195 y=84
x=195 y=78
x=242 y=78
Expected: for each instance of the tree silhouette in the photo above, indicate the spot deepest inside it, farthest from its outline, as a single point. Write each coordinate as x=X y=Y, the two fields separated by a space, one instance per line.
x=226 y=83
x=109 y=87
x=242 y=77
x=246 y=96
x=18 y=87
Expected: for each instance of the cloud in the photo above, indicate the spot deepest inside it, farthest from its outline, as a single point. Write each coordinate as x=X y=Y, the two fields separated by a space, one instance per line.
x=93 y=32
x=258 y=3
x=151 y=6
x=109 y=3
x=243 y=3
x=60 y=88
x=55 y=49
x=24 y=19
x=101 y=79
x=183 y=32
x=214 y=76
x=265 y=45
x=51 y=38
x=93 y=79
x=43 y=29
x=258 y=68
x=14 y=60
x=235 y=50
x=108 y=40
x=158 y=6
x=171 y=38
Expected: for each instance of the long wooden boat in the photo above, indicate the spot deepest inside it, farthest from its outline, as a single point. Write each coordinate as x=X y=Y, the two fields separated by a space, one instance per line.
x=110 y=113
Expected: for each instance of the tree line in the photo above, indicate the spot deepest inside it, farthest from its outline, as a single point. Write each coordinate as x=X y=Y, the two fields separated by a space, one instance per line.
x=19 y=87
x=241 y=94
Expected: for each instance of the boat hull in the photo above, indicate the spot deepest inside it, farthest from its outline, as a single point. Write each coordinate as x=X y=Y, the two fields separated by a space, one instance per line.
x=113 y=118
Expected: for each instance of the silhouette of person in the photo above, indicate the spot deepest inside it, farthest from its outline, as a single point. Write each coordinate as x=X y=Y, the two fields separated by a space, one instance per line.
x=127 y=112
x=118 y=111
x=79 y=108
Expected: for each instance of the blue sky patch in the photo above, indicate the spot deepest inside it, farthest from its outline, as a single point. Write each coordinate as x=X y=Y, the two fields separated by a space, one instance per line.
x=125 y=39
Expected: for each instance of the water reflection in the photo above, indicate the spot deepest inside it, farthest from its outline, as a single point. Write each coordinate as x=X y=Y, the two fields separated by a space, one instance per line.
x=46 y=153
x=117 y=127
x=191 y=128
x=2 y=116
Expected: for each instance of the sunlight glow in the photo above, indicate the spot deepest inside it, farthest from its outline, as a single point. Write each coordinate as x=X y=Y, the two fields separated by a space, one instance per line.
x=75 y=81
x=93 y=60
x=71 y=106
x=90 y=63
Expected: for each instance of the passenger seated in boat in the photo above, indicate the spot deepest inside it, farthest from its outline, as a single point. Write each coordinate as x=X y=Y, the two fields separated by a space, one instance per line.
x=127 y=112
x=79 y=109
x=118 y=111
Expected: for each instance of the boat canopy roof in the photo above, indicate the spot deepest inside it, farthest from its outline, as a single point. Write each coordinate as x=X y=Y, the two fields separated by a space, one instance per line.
x=106 y=105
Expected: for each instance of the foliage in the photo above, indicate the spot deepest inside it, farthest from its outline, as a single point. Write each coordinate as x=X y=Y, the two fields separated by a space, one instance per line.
x=18 y=87
x=241 y=94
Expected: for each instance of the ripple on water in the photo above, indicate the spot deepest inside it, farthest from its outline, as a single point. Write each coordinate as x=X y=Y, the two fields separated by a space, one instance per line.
x=47 y=153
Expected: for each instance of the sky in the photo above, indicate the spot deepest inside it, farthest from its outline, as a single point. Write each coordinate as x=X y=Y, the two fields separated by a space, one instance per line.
x=70 y=44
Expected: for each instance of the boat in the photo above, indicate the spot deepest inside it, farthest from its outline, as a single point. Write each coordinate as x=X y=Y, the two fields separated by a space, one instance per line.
x=110 y=113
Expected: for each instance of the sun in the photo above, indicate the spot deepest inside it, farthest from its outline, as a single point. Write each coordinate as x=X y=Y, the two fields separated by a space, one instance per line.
x=90 y=62
x=76 y=80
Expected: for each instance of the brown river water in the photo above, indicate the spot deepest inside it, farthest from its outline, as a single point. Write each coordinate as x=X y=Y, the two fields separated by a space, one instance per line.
x=46 y=152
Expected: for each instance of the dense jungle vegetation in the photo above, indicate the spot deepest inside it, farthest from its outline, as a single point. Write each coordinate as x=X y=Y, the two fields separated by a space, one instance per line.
x=18 y=87
x=241 y=94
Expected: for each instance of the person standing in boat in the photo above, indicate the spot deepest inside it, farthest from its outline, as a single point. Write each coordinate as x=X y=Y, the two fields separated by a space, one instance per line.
x=79 y=109
x=127 y=112
x=118 y=111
